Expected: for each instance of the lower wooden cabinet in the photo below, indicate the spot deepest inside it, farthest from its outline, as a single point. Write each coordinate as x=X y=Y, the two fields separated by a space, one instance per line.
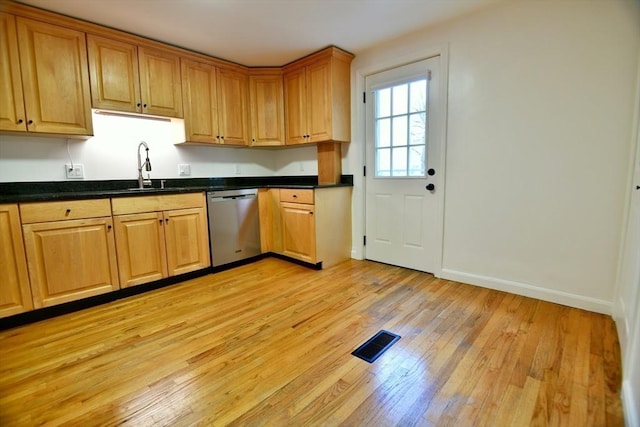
x=70 y=260
x=15 y=292
x=298 y=231
x=310 y=225
x=154 y=243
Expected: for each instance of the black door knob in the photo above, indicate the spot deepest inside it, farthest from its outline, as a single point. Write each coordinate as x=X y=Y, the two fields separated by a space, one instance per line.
x=431 y=172
x=430 y=187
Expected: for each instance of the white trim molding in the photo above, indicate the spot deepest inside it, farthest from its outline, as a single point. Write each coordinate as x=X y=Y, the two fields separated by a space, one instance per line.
x=527 y=290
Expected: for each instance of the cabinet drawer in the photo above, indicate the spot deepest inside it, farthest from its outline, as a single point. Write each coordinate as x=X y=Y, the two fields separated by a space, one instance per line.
x=60 y=211
x=296 y=196
x=156 y=203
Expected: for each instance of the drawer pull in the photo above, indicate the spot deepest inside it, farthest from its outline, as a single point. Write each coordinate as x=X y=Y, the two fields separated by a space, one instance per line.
x=67 y=212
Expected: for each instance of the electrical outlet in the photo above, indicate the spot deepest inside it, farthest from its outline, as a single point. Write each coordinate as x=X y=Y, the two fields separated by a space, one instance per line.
x=184 y=169
x=75 y=172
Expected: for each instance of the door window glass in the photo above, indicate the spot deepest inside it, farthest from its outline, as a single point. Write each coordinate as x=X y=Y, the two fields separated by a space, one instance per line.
x=401 y=129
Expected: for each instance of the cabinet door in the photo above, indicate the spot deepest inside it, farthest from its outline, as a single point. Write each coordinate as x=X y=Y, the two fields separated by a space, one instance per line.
x=233 y=103
x=295 y=107
x=266 y=95
x=299 y=231
x=319 y=101
x=140 y=247
x=160 y=84
x=55 y=78
x=12 y=115
x=113 y=69
x=187 y=240
x=70 y=260
x=200 y=101
x=15 y=293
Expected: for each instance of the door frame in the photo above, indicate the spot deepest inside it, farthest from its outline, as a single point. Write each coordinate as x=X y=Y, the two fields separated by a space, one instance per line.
x=359 y=134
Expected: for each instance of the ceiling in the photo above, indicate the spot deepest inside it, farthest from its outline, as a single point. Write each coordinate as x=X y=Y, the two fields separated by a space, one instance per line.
x=265 y=32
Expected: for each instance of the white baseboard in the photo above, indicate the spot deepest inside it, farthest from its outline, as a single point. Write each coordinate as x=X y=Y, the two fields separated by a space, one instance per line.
x=630 y=408
x=559 y=297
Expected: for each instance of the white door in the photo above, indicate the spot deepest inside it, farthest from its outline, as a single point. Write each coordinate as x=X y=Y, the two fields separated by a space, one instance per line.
x=405 y=166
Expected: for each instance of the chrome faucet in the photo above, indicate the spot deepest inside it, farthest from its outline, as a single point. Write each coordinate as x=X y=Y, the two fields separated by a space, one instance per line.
x=147 y=166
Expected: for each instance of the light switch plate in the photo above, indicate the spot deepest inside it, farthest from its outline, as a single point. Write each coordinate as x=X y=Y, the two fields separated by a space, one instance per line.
x=184 y=169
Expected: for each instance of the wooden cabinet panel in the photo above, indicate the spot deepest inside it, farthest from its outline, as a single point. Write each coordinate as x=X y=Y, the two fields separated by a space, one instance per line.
x=15 y=292
x=270 y=220
x=55 y=77
x=200 y=101
x=160 y=82
x=266 y=101
x=295 y=94
x=113 y=69
x=319 y=93
x=296 y=195
x=160 y=236
x=126 y=77
x=68 y=209
x=299 y=231
x=156 y=203
x=233 y=100
x=12 y=114
x=186 y=237
x=215 y=104
x=70 y=260
x=140 y=246
x=318 y=98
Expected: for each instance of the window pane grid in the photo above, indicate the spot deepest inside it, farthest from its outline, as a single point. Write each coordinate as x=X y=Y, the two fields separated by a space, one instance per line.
x=401 y=130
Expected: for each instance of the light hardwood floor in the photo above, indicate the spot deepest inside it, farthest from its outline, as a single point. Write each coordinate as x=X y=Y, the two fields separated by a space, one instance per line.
x=269 y=344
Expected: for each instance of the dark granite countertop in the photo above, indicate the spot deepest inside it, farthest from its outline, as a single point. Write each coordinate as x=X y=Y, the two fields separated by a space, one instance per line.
x=12 y=192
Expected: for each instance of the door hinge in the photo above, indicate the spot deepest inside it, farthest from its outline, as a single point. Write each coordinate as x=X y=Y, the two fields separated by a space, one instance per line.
x=429 y=75
x=364 y=240
x=364 y=171
x=364 y=97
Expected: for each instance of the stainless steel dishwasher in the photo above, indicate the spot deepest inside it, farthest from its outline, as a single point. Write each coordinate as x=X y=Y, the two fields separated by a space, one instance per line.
x=234 y=225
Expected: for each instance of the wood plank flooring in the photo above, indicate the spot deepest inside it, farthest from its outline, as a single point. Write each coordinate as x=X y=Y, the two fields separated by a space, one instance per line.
x=269 y=344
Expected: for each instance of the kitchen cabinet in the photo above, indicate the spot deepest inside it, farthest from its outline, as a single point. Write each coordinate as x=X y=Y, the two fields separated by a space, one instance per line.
x=318 y=98
x=298 y=225
x=44 y=78
x=266 y=102
x=311 y=225
x=70 y=250
x=137 y=79
x=12 y=114
x=216 y=102
x=160 y=236
x=15 y=292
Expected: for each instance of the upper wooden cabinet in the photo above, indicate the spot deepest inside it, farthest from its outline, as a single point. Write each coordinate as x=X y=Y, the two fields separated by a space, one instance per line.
x=15 y=292
x=44 y=78
x=215 y=103
x=266 y=101
x=126 y=77
x=317 y=98
x=12 y=114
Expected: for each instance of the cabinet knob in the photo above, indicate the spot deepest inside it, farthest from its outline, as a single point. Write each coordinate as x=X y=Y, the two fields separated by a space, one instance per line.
x=295 y=196
x=20 y=121
x=160 y=220
x=138 y=104
x=144 y=105
x=30 y=122
x=310 y=213
x=222 y=137
x=108 y=227
x=67 y=212
x=166 y=220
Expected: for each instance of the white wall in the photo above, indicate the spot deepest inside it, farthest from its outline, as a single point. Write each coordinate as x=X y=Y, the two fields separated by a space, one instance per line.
x=112 y=154
x=540 y=104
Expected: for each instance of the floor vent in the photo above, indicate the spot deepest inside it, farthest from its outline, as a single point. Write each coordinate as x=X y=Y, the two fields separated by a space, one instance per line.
x=375 y=346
